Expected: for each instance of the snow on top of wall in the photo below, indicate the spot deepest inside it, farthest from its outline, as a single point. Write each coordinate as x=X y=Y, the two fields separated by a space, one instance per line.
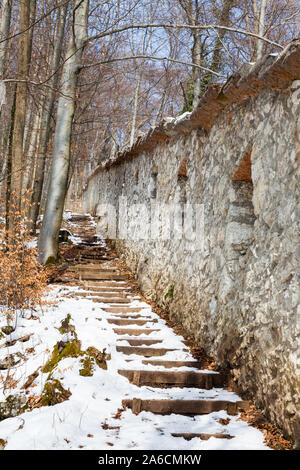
x=275 y=70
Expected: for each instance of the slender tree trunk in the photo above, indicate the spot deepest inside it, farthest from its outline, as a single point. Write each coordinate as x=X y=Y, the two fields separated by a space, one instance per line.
x=30 y=152
x=46 y=117
x=17 y=161
x=135 y=107
x=48 y=239
x=223 y=19
x=8 y=162
x=4 y=32
x=161 y=108
x=261 y=29
x=196 y=59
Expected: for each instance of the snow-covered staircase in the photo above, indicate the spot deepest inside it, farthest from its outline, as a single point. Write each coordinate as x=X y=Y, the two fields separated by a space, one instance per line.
x=142 y=335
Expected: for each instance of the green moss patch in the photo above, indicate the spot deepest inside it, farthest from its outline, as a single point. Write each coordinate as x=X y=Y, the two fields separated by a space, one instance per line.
x=54 y=393
x=51 y=260
x=62 y=350
x=88 y=367
x=66 y=327
x=170 y=292
x=7 y=330
x=100 y=357
x=93 y=357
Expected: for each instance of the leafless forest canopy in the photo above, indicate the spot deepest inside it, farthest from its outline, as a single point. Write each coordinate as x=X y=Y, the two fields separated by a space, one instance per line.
x=81 y=79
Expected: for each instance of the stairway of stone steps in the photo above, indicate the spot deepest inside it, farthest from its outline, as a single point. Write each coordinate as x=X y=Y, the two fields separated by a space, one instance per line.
x=139 y=333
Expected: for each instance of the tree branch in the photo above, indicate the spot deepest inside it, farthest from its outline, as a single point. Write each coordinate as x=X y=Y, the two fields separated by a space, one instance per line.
x=141 y=56
x=182 y=26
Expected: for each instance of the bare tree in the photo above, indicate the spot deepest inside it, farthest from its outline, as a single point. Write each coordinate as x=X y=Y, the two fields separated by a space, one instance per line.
x=48 y=240
x=4 y=33
x=17 y=161
x=47 y=110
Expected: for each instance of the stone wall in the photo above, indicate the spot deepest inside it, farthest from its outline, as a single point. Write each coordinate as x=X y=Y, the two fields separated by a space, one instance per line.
x=238 y=291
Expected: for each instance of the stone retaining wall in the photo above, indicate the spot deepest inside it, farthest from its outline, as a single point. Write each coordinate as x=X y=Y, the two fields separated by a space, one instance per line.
x=230 y=271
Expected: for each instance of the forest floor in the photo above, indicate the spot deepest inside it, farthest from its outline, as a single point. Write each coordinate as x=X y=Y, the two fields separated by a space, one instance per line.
x=63 y=362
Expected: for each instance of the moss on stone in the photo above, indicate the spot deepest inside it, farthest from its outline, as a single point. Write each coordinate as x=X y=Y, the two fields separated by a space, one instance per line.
x=12 y=406
x=170 y=292
x=100 y=357
x=66 y=327
x=51 y=260
x=54 y=393
x=7 y=330
x=93 y=356
x=88 y=367
x=62 y=350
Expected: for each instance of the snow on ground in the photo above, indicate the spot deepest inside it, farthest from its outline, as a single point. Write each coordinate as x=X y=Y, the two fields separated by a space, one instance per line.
x=87 y=420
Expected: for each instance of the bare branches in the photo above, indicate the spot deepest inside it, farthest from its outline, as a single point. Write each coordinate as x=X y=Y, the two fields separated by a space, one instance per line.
x=141 y=56
x=41 y=18
x=31 y=82
x=184 y=26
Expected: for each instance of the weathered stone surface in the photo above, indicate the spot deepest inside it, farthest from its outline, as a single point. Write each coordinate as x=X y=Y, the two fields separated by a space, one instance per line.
x=12 y=406
x=239 y=293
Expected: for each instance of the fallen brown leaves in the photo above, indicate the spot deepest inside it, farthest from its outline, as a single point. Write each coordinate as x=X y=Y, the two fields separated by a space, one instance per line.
x=105 y=426
x=22 y=279
x=119 y=413
x=34 y=401
x=31 y=378
x=273 y=436
x=223 y=421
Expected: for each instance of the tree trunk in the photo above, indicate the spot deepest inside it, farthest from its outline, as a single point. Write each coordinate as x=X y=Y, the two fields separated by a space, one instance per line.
x=48 y=239
x=135 y=108
x=4 y=32
x=45 y=119
x=196 y=59
x=8 y=161
x=17 y=161
x=261 y=29
x=30 y=153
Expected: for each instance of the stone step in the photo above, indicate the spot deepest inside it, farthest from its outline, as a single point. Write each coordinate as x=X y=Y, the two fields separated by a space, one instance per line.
x=146 y=352
x=141 y=341
x=120 y=316
x=100 y=284
x=154 y=378
x=108 y=289
x=111 y=300
x=169 y=364
x=97 y=276
x=185 y=407
x=123 y=309
x=133 y=332
x=138 y=316
x=202 y=436
x=107 y=295
x=123 y=322
x=96 y=267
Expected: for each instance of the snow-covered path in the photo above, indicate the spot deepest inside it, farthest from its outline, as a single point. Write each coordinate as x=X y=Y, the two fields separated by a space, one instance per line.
x=93 y=417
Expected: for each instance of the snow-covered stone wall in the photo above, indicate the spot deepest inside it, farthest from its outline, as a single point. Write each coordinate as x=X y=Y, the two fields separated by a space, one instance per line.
x=207 y=216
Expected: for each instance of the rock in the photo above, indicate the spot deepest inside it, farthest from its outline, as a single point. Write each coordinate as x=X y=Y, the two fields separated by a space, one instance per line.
x=10 y=361
x=54 y=393
x=7 y=330
x=3 y=444
x=12 y=406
